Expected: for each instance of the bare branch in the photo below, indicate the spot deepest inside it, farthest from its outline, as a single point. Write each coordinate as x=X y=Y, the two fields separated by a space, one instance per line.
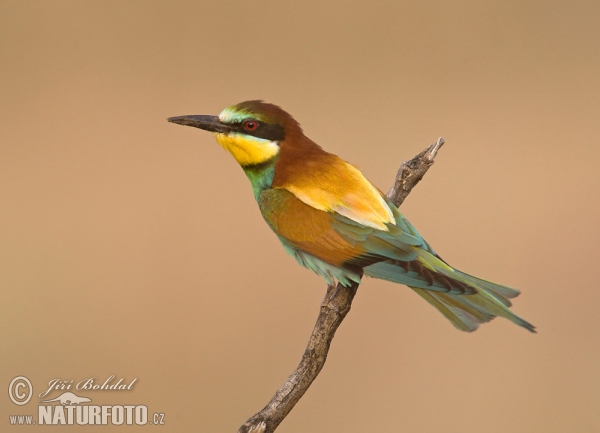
x=411 y=172
x=335 y=306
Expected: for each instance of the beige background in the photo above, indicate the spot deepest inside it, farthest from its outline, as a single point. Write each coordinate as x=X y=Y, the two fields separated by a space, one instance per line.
x=131 y=246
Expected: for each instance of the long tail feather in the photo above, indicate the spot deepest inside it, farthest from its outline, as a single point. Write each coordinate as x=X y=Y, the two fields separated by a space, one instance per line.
x=490 y=299
x=460 y=317
x=465 y=300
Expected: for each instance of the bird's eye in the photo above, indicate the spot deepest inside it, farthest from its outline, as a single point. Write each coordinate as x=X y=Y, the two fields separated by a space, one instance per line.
x=250 y=125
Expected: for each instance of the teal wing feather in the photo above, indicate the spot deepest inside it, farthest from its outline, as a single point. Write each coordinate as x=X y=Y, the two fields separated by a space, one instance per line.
x=393 y=255
x=401 y=255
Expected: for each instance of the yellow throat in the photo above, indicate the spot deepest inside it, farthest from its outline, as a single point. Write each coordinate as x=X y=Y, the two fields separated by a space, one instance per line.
x=246 y=149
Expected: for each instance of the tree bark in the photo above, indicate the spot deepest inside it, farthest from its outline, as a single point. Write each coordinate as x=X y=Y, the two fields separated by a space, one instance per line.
x=334 y=308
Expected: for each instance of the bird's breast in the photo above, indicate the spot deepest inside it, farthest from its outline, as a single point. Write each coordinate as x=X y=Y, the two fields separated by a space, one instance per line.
x=306 y=228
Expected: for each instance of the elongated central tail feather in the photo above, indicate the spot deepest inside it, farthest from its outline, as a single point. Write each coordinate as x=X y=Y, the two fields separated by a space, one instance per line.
x=467 y=309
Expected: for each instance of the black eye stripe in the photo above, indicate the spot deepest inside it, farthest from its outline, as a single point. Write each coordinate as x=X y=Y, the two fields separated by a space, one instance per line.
x=268 y=131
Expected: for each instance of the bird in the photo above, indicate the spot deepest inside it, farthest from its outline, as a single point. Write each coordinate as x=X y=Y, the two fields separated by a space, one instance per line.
x=333 y=221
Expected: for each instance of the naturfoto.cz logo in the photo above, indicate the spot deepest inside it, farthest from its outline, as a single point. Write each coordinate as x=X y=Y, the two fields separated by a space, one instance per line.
x=70 y=408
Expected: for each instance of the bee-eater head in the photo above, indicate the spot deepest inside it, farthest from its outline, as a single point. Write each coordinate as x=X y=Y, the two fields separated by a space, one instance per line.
x=251 y=131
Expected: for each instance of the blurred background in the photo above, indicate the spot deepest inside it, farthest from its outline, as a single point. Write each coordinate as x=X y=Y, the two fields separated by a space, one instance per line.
x=133 y=247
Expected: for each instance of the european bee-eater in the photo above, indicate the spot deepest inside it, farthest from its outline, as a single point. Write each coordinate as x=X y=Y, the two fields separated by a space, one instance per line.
x=333 y=221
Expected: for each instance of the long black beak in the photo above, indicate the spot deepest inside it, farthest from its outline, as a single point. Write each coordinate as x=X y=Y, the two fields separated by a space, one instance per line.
x=208 y=123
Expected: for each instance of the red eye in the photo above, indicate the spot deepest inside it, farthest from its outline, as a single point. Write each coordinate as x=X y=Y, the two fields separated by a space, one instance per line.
x=250 y=125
